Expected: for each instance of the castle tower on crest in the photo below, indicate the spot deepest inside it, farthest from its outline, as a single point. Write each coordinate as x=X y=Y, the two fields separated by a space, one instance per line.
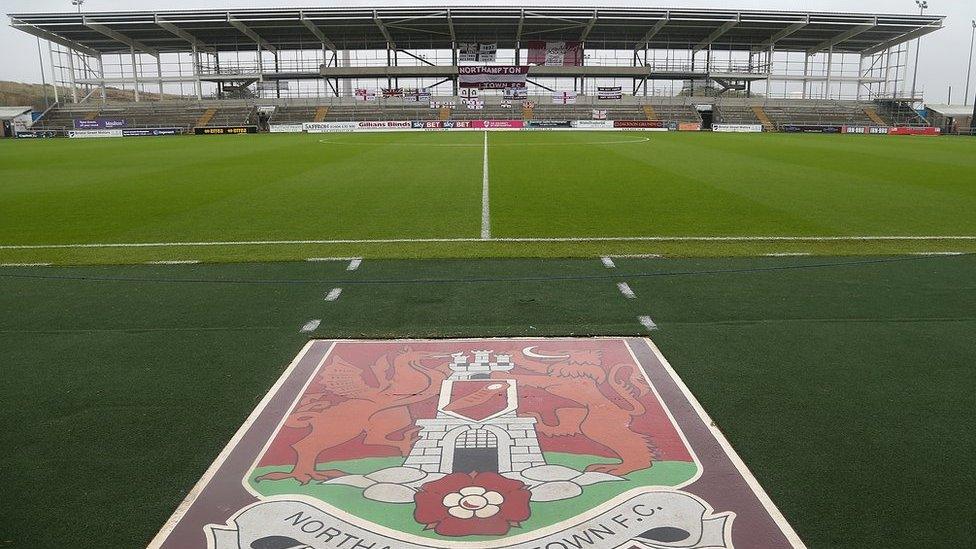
x=477 y=427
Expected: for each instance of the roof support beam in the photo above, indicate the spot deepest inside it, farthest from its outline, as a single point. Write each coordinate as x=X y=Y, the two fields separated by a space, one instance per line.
x=846 y=35
x=248 y=32
x=785 y=33
x=450 y=26
x=50 y=37
x=575 y=22
x=521 y=25
x=657 y=28
x=589 y=26
x=384 y=30
x=173 y=29
x=716 y=34
x=317 y=32
x=119 y=37
x=907 y=37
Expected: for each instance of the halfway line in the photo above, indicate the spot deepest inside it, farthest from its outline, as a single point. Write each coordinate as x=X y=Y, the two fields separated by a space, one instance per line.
x=485 y=210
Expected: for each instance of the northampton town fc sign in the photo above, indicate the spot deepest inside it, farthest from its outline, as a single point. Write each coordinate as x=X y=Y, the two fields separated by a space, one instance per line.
x=497 y=443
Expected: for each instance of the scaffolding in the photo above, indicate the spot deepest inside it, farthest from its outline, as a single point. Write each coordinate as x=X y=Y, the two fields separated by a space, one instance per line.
x=291 y=54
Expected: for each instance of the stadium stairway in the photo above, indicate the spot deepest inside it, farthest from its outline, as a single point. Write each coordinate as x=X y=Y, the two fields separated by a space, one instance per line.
x=649 y=112
x=320 y=114
x=206 y=118
x=527 y=113
x=763 y=118
x=874 y=116
x=445 y=113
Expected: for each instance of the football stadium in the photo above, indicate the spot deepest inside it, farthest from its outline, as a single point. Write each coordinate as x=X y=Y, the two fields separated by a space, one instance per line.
x=481 y=277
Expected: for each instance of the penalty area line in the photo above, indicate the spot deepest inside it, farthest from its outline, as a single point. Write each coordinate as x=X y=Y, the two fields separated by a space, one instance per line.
x=494 y=240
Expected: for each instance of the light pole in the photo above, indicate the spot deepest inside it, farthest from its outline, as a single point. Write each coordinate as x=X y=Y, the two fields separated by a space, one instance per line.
x=922 y=6
x=969 y=73
x=77 y=3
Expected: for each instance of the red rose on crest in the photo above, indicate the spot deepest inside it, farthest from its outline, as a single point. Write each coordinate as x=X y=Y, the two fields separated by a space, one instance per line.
x=462 y=504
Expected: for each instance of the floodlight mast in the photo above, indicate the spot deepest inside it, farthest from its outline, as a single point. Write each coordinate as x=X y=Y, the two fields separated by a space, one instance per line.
x=77 y=3
x=969 y=72
x=922 y=6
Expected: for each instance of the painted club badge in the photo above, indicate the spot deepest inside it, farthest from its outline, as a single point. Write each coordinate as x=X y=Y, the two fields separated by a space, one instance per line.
x=481 y=444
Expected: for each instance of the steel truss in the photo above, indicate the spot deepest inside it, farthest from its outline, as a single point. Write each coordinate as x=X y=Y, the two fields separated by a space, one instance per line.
x=283 y=53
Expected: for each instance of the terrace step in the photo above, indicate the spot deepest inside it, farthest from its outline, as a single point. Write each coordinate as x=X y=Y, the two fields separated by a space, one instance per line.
x=445 y=113
x=764 y=119
x=320 y=114
x=649 y=112
x=527 y=113
x=872 y=113
x=206 y=118
x=92 y=115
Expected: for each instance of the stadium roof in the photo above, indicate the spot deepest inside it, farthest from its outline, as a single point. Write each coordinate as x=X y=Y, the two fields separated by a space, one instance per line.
x=436 y=27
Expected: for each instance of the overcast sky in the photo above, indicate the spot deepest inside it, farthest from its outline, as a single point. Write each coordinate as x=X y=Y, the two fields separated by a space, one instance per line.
x=944 y=53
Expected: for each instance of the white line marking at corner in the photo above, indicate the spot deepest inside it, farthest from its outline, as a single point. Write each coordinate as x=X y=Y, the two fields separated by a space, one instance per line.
x=25 y=264
x=647 y=322
x=334 y=294
x=789 y=254
x=175 y=262
x=625 y=289
x=940 y=253
x=311 y=326
x=485 y=207
x=354 y=263
x=608 y=262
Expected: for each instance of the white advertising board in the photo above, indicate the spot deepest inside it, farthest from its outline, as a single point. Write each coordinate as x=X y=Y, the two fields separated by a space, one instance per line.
x=592 y=124
x=90 y=134
x=363 y=126
x=287 y=128
x=737 y=128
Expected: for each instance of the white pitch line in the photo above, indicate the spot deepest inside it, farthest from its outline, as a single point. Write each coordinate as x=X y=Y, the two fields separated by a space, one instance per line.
x=334 y=294
x=608 y=262
x=485 y=206
x=525 y=240
x=322 y=259
x=25 y=264
x=311 y=325
x=647 y=322
x=354 y=263
x=940 y=253
x=626 y=290
x=788 y=254
x=175 y=262
x=638 y=256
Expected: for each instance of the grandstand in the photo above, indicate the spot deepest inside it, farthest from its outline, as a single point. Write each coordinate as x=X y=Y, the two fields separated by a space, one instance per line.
x=674 y=65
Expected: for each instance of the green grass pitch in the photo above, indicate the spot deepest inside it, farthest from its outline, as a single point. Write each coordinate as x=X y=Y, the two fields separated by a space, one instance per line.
x=845 y=381
x=352 y=193
x=845 y=384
